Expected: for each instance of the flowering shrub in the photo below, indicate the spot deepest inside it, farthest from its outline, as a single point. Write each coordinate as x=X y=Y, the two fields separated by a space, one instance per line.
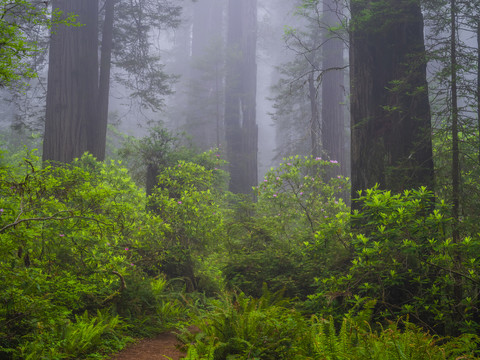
x=299 y=200
x=297 y=229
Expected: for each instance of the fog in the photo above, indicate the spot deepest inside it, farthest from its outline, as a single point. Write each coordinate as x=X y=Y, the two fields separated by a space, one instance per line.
x=254 y=82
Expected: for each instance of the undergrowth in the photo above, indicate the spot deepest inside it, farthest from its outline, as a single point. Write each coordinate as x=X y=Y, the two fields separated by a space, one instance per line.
x=269 y=328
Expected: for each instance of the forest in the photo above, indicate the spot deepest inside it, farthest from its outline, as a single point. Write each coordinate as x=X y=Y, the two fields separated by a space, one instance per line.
x=291 y=179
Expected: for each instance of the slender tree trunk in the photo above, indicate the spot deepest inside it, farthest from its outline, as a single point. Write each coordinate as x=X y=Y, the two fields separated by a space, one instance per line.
x=240 y=95
x=390 y=111
x=314 y=120
x=72 y=83
x=218 y=127
x=99 y=134
x=333 y=83
x=454 y=95
x=478 y=86
x=458 y=285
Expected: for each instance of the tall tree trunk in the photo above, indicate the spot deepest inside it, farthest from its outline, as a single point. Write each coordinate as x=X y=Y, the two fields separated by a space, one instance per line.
x=458 y=286
x=478 y=86
x=454 y=115
x=240 y=95
x=390 y=111
x=315 y=116
x=333 y=84
x=207 y=45
x=72 y=83
x=99 y=135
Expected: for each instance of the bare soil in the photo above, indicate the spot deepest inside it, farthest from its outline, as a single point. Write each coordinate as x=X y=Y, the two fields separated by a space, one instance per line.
x=162 y=347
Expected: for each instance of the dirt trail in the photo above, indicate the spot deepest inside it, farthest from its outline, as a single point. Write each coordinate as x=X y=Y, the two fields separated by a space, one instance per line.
x=163 y=347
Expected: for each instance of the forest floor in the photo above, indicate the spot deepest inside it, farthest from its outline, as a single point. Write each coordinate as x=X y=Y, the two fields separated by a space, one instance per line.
x=162 y=347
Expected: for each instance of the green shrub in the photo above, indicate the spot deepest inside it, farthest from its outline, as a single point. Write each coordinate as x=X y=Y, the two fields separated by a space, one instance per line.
x=188 y=198
x=72 y=237
x=268 y=328
x=404 y=258
x=295 y=232
x=241 y=327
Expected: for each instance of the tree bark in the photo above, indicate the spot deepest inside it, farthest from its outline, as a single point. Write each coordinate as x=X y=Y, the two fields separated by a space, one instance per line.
x=478 y=87
x=72 y=83
x=204 y=99
x=390 y=111
x=98 y=135
x=454 y=116
x=240 y=95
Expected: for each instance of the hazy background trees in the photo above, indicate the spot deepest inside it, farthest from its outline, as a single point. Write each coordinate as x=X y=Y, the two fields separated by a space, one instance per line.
x=188 y=66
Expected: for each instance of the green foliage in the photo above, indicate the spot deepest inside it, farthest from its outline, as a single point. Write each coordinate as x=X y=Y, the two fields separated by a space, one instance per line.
x=239 y=327
x=19 y=20
x=160 y=149
x=296 y=230
x=73 y=340
x=84 y=260
x=188 y=197
x=150 y=304
x=356 y=341
x=403 y=257
x=298 y=199
x=73 y=239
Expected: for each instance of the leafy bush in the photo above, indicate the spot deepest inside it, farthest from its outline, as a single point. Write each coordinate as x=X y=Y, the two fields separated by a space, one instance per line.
x=298 y=200
x=188 y=197
x=295 y=232
x=73 y=237
x=404 y=258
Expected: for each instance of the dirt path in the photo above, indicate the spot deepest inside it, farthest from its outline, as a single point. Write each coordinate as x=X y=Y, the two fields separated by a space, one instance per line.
x=163 y=347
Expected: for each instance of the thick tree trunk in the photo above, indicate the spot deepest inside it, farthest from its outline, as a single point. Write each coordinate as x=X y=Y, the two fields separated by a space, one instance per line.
x=240 y=95
x=204 y=98
x=72 y=83
x=390 y=112
x=333 y=85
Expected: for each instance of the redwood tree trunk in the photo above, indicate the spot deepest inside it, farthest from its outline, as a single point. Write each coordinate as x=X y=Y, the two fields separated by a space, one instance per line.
x=203 y=119
x=240 y=95
x=390 y=112
x=72 y=90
